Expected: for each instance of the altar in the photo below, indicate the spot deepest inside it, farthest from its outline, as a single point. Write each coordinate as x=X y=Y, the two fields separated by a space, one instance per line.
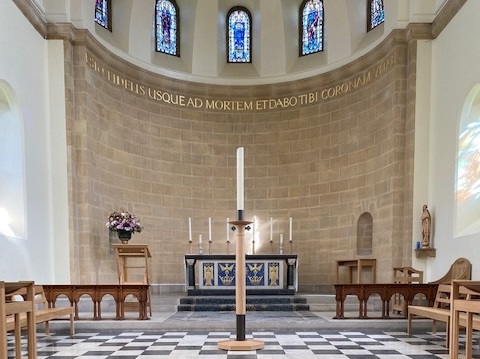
x=214 y=274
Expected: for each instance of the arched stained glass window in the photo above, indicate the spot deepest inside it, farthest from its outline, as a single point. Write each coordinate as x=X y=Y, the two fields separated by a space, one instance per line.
x=103 y=15
x=468 y=167
x=239 y=35
x=167 y=32
x=376 y=14
x=311 y=25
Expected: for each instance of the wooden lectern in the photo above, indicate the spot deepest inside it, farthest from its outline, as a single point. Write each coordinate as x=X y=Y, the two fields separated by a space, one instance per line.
x=133 y=266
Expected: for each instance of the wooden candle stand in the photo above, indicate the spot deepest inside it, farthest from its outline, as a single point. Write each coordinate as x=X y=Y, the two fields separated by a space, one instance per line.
x=240 y=297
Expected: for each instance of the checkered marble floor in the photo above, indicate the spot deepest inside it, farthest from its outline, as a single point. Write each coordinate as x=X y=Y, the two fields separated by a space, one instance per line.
x=332 y=344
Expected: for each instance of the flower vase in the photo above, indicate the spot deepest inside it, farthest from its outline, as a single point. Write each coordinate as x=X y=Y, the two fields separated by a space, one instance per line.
x=124 y=236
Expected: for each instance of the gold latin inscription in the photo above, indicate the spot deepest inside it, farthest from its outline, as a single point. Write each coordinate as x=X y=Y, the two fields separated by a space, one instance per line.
x=184 y=100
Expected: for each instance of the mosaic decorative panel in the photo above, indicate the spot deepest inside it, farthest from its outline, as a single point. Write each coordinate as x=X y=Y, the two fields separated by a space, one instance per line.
x=261 y=274
x=208 y=270
x=226 y=274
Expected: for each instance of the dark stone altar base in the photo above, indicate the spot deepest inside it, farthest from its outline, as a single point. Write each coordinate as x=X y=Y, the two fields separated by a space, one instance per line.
x=257 y=302
x=219 y=298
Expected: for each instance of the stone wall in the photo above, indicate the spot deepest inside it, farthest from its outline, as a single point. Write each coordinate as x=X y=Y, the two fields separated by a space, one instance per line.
x=323 y=151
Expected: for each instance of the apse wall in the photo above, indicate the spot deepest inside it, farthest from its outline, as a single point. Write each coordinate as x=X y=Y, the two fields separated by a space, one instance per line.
x=323 y=151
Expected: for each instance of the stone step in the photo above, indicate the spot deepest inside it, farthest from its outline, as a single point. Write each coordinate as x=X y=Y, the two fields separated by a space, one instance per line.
x=194 y=300
x=250 y=307
x=253 y=303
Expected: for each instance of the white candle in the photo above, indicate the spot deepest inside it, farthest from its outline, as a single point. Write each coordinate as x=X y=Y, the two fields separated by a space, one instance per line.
x=200 y=239
x=228 y=230
x=281 y=238
x=240 y=178
x=253 y=229
x=190 y=229
x=210 y=229
x=271 y=229
x=291 y=238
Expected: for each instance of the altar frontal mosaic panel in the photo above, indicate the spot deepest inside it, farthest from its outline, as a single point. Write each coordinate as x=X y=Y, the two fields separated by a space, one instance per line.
x=263 y=274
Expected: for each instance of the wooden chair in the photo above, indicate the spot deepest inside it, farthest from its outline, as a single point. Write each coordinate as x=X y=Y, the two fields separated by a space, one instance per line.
x=404 y=275
x=465 y=313
x=441 y=310
x=460 y=269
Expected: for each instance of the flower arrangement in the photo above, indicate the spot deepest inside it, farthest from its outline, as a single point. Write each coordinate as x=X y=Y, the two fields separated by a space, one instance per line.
x=123 y=221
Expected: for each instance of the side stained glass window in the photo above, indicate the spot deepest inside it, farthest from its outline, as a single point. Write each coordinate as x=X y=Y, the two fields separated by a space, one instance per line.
x=103 y=15
x=239 y=36
x=467 y=216
x=311 y=27
x=376 y=14
x=167 y=30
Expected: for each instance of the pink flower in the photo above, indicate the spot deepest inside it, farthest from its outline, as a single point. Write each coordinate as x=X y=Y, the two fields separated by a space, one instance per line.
x=123 y=221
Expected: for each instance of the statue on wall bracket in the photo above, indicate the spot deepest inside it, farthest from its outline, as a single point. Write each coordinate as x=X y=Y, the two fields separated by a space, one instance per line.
x=426 y=227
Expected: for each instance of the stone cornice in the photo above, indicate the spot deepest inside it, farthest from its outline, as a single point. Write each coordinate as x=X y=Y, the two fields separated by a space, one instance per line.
x=34 y=14
x=418 y=31
x=392 y=43
x=447 y=13
x=67 y=32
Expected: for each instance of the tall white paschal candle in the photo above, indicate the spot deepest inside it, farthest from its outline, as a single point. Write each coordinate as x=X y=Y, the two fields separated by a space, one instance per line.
x=253 y=228
x=240 y=179
x=228 y=230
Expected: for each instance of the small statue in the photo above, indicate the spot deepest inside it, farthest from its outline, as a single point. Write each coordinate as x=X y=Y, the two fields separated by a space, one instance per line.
x=426 y=227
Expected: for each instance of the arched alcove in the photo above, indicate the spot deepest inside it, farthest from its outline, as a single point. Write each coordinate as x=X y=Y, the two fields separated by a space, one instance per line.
x=12 y=179
x=364 y=234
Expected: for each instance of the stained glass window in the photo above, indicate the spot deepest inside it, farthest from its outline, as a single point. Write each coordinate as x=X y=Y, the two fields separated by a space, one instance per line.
x=311 y=17
x=468 y=167
x=103 y=13
x=376 y=13
x=468 y=184
x=166 y=27
x=239 y=35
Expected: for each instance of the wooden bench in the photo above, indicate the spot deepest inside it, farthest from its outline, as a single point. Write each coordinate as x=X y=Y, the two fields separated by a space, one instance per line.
x=43 y=312
x=97 y=292
x=364 y=291
x=441 y=311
